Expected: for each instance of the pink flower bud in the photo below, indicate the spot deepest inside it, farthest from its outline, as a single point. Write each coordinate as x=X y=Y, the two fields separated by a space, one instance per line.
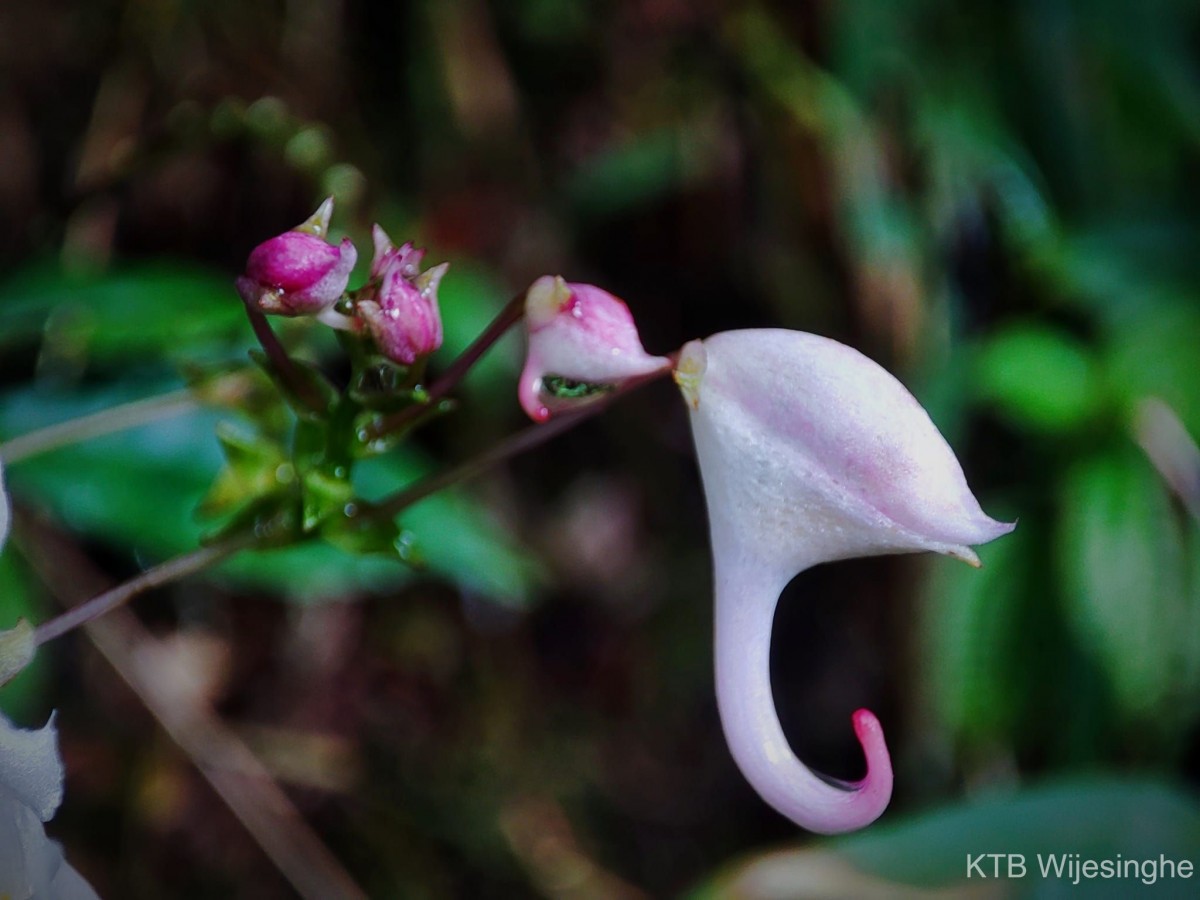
x=298 y=272
x=809 y=453
x=582 y=341
x=402 y=311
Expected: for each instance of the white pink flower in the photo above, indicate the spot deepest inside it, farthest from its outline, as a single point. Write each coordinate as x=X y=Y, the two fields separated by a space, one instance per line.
x=809 y=452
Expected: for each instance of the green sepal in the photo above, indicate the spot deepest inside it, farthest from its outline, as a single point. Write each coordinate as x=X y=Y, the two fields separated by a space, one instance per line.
x=255 y=466
x=272 y=519
x=356 y=530
x=325 y=494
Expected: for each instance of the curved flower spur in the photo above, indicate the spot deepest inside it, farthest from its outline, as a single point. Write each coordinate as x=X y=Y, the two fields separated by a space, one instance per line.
x=809 y=453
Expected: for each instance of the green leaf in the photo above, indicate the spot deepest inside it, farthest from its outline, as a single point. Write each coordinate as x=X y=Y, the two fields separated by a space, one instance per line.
x=1040 y=378
x=1096 y=818
x=455 y=535
x=1127 y=590
x=1155 y=355
x=136 y=488
x=128 y=313
x=974 y=638
x=469 y=298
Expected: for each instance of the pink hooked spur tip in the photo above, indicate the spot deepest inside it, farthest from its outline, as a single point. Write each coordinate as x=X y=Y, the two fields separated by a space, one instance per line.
x=583 y=343
x=401 y=311
x=809 y=452
x=299 y=273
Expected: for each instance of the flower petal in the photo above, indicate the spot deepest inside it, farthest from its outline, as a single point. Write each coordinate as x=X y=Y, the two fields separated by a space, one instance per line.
x=30 y=769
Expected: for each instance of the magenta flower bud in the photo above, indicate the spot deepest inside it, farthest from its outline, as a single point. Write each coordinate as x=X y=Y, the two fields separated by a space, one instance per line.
x=299 y=273
x=809 y=452
x=401 y=311
x=582 y=342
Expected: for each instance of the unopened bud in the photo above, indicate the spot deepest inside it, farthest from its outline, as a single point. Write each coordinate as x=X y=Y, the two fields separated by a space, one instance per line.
x=299 y=273
x=401 y=311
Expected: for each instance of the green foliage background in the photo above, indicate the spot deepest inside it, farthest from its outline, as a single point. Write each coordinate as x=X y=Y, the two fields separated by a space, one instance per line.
x=998 y=201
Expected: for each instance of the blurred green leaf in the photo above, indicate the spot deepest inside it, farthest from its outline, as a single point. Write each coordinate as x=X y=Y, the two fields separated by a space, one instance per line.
x=453 y=534
x=1039 y=378
x=974 y=638
x=1126 y=588
x=628 y=174
x=1155 y=355
x=1095 y=818
x=129 y=313
x=469 y=298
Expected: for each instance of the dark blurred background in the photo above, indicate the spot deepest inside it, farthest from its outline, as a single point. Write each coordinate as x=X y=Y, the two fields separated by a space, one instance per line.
x=997 y=201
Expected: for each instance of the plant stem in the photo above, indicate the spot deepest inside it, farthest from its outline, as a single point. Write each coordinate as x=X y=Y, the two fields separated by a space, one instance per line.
x=514 y=445
x=281 y=362
x=162 y=574
x=509 y=316
x=106 y=421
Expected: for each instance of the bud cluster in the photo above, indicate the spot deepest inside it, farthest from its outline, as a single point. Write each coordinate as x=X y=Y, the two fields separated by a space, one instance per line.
x=302 y=273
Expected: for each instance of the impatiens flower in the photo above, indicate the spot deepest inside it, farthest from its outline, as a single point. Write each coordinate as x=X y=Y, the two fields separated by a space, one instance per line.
x=582 y=341
x=31 y=789
x=401 y=311
x=31 y=786
x=299 y=273
x=809 y=452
